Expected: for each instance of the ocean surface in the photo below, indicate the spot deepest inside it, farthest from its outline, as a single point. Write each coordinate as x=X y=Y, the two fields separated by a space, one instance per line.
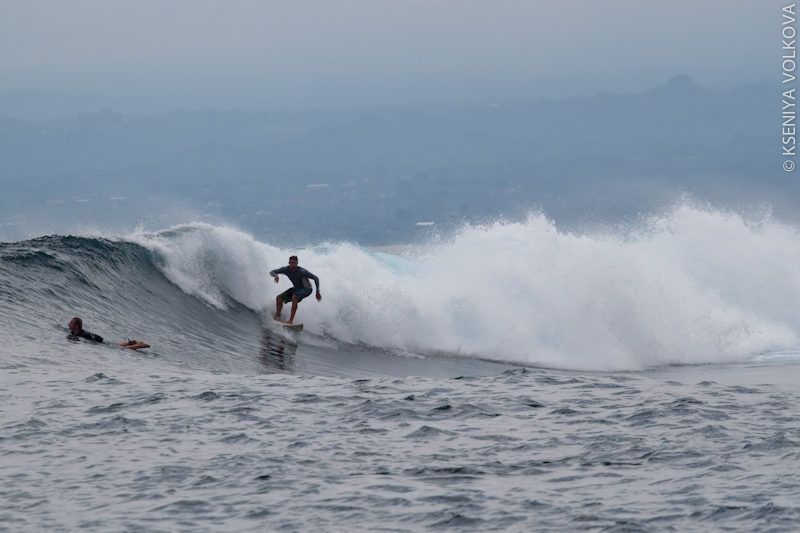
x=511 y=377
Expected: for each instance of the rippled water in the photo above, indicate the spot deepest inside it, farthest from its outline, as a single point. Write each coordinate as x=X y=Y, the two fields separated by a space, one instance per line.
x=521 y=451
x=670 y=403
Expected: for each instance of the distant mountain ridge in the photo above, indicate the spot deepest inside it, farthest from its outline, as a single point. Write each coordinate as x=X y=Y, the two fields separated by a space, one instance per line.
x=388 y=167
x=38 y=105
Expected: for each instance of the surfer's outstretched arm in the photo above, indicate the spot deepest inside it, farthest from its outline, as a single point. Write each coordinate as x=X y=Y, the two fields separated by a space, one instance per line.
x=134 y=344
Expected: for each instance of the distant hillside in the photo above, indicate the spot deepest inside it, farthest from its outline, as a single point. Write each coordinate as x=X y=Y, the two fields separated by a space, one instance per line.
x=37 y=105
x=370 y=174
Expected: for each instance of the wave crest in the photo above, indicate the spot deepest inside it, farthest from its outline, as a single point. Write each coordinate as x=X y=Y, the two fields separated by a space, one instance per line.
x=694 y=286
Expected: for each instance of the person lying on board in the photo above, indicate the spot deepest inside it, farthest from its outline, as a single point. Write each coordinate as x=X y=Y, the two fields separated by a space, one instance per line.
x=302 y=287
x=76 y=329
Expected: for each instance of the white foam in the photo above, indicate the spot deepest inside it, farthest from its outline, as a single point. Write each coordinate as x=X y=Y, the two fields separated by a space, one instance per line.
x=212 y=262
x=696 y=286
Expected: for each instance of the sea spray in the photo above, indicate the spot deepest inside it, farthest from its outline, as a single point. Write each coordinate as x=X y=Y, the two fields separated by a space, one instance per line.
x=212 y=263
x=694 y=286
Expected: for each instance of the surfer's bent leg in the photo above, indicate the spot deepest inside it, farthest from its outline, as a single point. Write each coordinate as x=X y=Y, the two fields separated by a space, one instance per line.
x=283 y=298
x=294 y=309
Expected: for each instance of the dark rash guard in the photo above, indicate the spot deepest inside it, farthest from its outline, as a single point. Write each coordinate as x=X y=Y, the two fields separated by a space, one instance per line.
x=86 y=335
x=299 y=277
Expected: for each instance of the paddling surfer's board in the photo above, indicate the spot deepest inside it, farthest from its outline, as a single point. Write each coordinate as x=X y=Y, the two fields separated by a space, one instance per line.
x=293 y=327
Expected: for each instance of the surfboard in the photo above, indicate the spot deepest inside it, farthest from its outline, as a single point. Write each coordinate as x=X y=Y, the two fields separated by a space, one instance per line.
x=293 y=327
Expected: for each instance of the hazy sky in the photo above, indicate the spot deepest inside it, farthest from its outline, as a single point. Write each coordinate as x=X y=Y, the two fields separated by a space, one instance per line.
x=238 y=53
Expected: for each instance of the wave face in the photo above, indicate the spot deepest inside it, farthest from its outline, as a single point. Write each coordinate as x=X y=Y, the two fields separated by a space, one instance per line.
x=118 y=290
x=695 y=286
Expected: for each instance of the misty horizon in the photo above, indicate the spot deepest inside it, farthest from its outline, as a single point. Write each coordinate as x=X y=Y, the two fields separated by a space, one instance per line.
x=372 y=174
x=413 y=111
x=151 y=58
x=31 y=104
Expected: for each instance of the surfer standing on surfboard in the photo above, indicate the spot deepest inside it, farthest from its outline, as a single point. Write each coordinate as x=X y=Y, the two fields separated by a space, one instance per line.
x=302 y=287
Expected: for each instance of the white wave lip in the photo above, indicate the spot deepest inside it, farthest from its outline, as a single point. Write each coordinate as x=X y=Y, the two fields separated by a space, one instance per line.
x=212 y=262
x=697 y=286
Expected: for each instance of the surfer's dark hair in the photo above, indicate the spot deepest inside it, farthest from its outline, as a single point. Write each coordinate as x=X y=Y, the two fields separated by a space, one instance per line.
x=293 y=257
x=78 y=322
